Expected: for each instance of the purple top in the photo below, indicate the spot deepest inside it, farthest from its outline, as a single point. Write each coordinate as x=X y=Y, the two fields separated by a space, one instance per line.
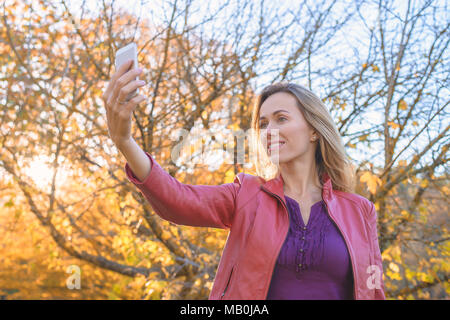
x=314 y=262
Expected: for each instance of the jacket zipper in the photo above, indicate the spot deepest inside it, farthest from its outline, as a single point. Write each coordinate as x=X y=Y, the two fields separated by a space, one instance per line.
x=372 y=249
x=228 y=282
x=289 y=225
x=346 y=241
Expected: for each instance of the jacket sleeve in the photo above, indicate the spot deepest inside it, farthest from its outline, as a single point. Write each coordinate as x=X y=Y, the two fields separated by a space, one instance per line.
x=184 y=204
x=379 y=292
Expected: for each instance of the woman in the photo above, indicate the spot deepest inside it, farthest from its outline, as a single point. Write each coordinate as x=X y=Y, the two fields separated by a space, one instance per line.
x=296 y=230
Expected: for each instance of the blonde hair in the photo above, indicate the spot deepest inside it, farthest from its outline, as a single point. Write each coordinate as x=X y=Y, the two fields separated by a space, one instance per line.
x=330 y=154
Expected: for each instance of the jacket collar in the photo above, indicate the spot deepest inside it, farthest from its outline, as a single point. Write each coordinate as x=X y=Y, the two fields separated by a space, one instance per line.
x=275 y=186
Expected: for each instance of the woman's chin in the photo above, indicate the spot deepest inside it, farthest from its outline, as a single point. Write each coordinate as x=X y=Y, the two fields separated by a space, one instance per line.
x=276 y=157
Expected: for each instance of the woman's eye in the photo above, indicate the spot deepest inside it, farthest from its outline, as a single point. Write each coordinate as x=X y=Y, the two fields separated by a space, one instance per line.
x=263 y=125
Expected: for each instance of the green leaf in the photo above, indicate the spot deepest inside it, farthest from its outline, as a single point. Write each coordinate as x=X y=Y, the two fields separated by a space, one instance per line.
x=9 y=204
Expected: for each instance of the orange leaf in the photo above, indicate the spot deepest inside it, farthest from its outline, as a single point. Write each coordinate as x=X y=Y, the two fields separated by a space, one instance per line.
x=402 y=105
x=393 y=124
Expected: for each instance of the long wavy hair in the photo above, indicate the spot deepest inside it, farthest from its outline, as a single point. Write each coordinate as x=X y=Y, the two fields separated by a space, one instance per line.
x=330 y=153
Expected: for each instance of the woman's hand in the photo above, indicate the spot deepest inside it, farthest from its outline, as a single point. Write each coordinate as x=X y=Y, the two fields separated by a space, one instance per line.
x=118 y=109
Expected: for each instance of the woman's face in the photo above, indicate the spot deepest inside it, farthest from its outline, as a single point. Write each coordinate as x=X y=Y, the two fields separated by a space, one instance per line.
x=294 y=136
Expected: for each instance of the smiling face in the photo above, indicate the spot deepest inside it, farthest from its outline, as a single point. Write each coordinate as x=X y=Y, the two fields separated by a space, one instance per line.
x=280 y=112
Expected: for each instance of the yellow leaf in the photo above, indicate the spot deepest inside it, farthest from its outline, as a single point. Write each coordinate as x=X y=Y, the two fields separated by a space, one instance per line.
x=394 y=276
x=396 y=252
x=446 y=190
x=424 y=184
x=165 y=235
x=235 y=126
x=402 y=163
x=187 y=107
x=229 y=176
x=409 y=274
x=394 y=267
x=351 y=145
x=337 y=100
x=210 y=240
x=364 y=65
x=402 y=105
x=371 y=180
x=375 y=68
x=364 y=137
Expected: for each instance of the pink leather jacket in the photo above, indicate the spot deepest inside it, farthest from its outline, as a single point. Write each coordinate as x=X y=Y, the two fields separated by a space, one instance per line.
x=255 y=212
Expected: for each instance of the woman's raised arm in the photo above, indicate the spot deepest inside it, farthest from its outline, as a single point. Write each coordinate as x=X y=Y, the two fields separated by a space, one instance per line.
x=118 y=114
x=193 y=205
x=185 y=204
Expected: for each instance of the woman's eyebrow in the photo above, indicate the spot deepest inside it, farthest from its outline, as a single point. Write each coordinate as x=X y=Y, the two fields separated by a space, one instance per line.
x=275 y=112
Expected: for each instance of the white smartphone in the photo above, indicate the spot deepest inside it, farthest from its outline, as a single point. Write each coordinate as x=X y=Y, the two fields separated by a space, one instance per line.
x=129 y=52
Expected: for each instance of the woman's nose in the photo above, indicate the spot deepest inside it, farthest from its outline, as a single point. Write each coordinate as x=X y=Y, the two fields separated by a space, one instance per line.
x=272 y=133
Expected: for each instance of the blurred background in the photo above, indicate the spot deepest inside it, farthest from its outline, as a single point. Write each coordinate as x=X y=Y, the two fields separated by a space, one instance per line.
x=381 y=67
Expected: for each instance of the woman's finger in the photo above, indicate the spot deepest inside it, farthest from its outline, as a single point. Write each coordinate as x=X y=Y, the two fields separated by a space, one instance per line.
x=130 y=87
x=123 y=81
x=122 y=69
x=132 y=104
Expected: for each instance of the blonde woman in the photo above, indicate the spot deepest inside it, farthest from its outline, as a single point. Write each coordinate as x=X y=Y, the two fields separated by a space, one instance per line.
x=297 y=230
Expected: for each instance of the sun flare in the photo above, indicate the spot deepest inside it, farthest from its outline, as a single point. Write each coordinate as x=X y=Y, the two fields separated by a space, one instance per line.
x=41 y=171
